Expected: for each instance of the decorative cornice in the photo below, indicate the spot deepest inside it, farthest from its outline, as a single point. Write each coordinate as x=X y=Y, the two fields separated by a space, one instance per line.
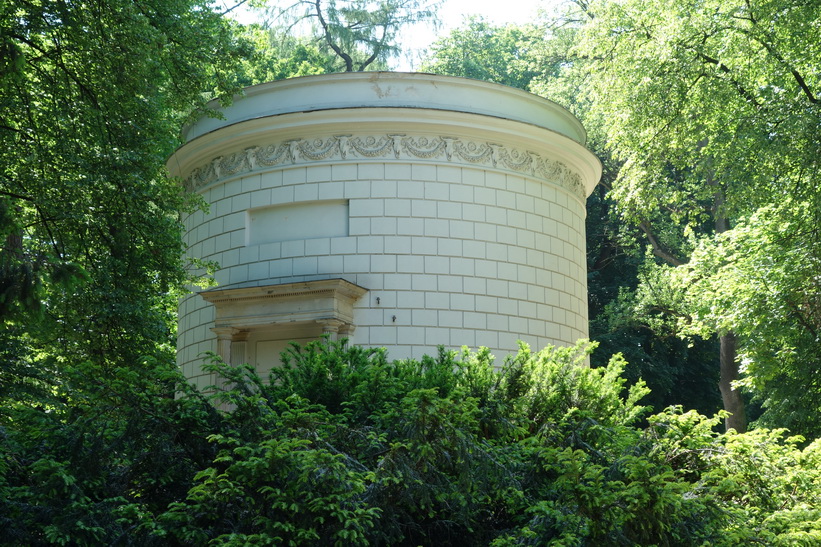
x=337 y=287
x=391 y=146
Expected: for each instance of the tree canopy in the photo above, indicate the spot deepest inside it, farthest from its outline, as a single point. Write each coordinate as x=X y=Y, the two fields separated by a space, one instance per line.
x=713 y=111
x=278 y=55
x=93 y=97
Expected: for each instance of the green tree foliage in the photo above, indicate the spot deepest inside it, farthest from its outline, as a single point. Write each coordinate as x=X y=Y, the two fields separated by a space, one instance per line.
x=360 y=33
x=94 y=464
x=765 y=276
x=279 y=55
x=93 y=96
x=720 y=94
x=501 y=54
x=713 y=110
x=679 y=371
x=344 y=447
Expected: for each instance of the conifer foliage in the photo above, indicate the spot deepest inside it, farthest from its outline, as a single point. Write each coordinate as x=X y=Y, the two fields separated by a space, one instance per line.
x=344 y=447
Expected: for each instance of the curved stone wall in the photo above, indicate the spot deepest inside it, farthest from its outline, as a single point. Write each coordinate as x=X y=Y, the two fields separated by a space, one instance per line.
x=398 y=210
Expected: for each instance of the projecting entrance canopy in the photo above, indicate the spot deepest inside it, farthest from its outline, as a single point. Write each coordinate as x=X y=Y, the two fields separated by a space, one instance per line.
x=326 y=304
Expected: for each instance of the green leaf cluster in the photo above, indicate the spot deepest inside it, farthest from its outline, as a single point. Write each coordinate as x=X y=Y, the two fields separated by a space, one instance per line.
x=503 y=54
x=706 y=96
x=278 y=55
x=712 y=111
x=761 y=280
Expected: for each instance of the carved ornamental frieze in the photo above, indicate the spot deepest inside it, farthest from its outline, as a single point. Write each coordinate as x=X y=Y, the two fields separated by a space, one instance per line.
x=391 y=146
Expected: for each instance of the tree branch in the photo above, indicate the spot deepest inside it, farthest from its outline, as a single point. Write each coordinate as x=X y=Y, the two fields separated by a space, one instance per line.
x=345 y=57
x=726 y=70
x=232 y=8
x=780 y=58
x=658 y=250
x=378 y=47
x=16 y=196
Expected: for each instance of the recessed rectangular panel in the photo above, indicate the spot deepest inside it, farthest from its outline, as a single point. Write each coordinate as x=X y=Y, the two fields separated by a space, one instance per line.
x=305 y=220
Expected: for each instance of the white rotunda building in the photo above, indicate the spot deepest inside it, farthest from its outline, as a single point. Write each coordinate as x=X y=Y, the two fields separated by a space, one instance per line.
x=398 y=210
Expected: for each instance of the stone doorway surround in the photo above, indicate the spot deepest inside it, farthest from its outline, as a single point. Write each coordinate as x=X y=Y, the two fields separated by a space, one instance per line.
x=294 y=307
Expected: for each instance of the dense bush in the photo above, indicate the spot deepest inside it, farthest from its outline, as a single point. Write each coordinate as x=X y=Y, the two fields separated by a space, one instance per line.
x=342 y=446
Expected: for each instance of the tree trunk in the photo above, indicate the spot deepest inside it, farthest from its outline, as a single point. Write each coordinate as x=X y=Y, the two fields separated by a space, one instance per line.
x=733 y=403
